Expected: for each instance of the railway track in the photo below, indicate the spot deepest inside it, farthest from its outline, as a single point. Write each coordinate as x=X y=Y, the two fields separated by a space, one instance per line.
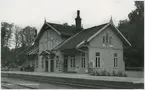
x=9 y=85
x=78 y=83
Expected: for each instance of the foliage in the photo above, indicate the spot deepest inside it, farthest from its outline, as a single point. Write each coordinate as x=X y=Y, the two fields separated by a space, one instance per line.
x=28 y=35
x=107 y=73
x=65 y=24
x=133 y=30
x=19 y=38
x=6 y=33
x=12 y=65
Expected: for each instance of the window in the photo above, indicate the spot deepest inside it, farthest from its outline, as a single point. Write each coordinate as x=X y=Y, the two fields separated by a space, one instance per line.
x=110 y=39
x=107 y=38
x=72 y=63
x=103 y=39
x=42 y=61
x=115 y=60
x=57 y=61
x=97 y=59
x=65 y=61
x=83 y=60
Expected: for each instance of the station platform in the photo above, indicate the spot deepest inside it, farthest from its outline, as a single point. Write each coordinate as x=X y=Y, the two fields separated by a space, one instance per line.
x=80 y=76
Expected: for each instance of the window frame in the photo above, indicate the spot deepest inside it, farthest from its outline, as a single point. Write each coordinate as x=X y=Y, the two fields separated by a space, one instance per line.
x=83 y=58
x=42 y=62
x=97 y=60
x=103 y=39
x=72 y=62
x=57 y=61
x=110 y=40
x=115 y=60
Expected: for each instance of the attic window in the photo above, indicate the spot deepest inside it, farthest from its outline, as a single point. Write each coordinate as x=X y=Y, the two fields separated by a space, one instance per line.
x=103 y=39
x=110 y=40
x=106 y=37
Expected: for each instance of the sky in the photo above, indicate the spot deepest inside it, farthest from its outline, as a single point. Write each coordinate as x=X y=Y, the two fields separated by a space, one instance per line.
x=92 y=12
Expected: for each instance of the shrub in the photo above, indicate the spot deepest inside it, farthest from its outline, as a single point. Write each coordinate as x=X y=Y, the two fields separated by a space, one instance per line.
x=122 y=74
x=104 y=73
x=97 y=73
x=92 y=73
x=113 y=73
x=13 y=65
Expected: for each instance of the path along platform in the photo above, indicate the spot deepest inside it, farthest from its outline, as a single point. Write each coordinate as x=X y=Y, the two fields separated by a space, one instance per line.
x=81 y=76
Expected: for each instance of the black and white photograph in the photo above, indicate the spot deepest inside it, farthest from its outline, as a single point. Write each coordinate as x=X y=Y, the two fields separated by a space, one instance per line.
x=72 y=44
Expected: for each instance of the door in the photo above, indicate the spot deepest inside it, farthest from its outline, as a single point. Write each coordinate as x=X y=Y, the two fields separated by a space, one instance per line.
x=65 y=63
x=46 y=65
x=51 y=65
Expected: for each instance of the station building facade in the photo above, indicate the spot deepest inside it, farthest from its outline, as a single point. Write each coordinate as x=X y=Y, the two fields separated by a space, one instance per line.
x=63 y=48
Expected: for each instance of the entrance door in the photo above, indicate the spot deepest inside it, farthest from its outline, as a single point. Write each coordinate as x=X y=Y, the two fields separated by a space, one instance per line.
x=46 y=65
x=65 y=63
x=51 y=65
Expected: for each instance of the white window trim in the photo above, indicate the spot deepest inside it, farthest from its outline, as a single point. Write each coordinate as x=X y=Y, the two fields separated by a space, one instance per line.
x=98 y=61
x=83 y=61
x=72 y=62
x=116 y=61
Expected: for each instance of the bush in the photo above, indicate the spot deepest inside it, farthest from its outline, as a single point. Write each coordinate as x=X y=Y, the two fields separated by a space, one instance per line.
x=122 y=74
x=106 y=73
x=92 y=73
x=113 y=73
x=13 y=65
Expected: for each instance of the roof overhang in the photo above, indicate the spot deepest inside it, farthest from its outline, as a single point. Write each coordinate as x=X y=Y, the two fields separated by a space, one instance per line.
x=33 y=51
x=46 y=52
x=43 y=27
x=94 y=35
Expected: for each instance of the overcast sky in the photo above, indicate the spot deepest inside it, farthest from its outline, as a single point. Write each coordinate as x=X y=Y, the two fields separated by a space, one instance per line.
x=92 y=12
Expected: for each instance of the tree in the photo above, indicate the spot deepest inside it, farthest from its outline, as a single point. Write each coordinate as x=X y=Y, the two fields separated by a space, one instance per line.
x=17 y=37
x=6 y=35
x=14 y=35
x=28 y=35
x=6 y=29
x=133 y=29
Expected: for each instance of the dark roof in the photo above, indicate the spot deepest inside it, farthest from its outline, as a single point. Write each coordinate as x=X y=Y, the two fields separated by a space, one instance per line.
x=62 y=29
x=25 y=50
x=73 y=41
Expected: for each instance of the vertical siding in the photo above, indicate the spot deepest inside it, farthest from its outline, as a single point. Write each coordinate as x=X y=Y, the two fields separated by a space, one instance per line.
x=107 y=52
x=48 y=45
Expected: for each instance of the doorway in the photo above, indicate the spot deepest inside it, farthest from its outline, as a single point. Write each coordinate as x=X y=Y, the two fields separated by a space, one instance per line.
x=65 y=63
x=51 y=65
x=46 y=65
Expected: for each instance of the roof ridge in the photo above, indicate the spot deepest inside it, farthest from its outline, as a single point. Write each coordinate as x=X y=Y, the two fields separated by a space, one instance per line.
x=60 y=24
x=95 y=26
x=65 y=41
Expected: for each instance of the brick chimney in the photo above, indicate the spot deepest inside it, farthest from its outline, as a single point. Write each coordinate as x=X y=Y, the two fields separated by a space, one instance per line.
x=78 y=21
